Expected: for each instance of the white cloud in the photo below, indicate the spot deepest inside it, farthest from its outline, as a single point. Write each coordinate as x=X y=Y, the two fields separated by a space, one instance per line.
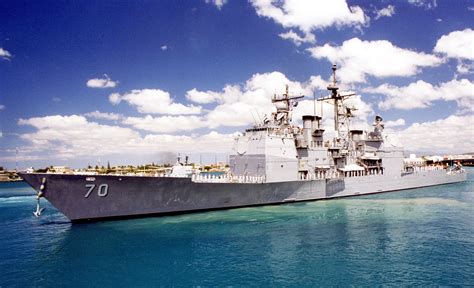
x=235 y=114
x=202 y=97
x=2 y=107
x=395 y=123
x=318 y=83
x=101 y=115
x=115 y=98
x=427 y=4
x=449 y=135
x=464 y=68
x=165 y=124
x=308 y=15
x=457 y=44
x=67 y=137
x=421 y=94
x=105 y=82
x=297 y=39
x=253 y=100
x=235 y=105
x=13 y=157
x=388 y=11
x=217 y=3
x=212 y=142
x=55 y=121
x=243 y=105
x=4 y=54
x=380 y=59
x=76 y=137
x=164 y=47
x=154 y=101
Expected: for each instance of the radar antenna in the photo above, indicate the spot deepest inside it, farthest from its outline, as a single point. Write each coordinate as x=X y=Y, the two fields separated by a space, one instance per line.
x=341 y=112
x=284 y=106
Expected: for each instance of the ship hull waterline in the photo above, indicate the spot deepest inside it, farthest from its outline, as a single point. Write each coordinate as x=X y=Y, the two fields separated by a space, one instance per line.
x=107 y=197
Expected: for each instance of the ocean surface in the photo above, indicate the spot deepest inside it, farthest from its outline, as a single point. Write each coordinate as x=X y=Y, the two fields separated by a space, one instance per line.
x=417 y=237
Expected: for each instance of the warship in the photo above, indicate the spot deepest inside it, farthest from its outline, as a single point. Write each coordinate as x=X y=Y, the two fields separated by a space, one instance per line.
x=273 y=162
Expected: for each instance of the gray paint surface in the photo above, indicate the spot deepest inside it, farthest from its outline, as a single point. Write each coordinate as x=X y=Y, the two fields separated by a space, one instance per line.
x=352 y=163
x=134 y=195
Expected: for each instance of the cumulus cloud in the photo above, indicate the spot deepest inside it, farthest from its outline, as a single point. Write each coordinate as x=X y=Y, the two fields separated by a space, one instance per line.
x=449 y=135
x=105 y=82
x=308 y=15
x=457 y=44
x=154 y=101
x=164 y=47
x=388 y=11
x=242 y=105
x=252 y=100
x=297 y=39
x=395 y=123
x=4 y=54
x=67 y=137
x=217 y=3
x=56 y=121
x=165 y=124
x=381 y=58
x=71 y=136
x=212 y=142
x=421 y=94
x=101 y=115
x=202 y=97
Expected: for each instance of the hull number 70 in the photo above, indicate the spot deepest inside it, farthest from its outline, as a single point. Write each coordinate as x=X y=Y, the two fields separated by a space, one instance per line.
x=102 y=190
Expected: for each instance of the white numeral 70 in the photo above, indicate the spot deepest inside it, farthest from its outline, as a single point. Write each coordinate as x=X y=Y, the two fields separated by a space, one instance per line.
x=101 y=191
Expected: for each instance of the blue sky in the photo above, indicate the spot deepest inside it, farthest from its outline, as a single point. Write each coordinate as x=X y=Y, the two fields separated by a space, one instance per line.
x=128 y=80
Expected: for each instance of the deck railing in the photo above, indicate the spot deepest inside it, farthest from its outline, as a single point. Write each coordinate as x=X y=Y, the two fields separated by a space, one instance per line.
x=198 y=178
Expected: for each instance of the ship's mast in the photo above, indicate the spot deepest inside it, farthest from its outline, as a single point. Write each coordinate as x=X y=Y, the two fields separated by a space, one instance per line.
x=340 y=110
x=286 y=107
x=335 y=97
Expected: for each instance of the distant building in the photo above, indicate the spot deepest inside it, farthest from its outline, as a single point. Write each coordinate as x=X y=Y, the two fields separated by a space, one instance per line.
x=414 y=161
x=4 y=176
x=60 y=170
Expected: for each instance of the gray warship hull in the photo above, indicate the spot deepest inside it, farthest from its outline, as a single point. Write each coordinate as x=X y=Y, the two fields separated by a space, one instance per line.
x=273 y=162
x=102 y=197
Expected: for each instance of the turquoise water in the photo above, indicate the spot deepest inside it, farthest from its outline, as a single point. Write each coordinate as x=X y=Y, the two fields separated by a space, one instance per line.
x=417 y=237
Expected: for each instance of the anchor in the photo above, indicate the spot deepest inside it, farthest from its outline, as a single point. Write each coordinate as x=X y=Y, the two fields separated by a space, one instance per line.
x=39 y=194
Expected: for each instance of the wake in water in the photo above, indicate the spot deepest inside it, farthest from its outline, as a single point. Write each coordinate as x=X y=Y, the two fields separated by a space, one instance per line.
x=16 y=199
x=412 y=201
